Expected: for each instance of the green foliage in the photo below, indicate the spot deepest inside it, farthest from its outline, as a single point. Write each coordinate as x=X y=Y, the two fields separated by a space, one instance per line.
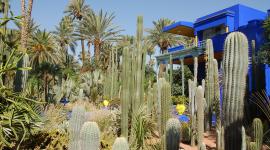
x=257 y=132
x=264 y=53
x=177 y=81
x=185 y=132
x=172 y=134
x=180 y=100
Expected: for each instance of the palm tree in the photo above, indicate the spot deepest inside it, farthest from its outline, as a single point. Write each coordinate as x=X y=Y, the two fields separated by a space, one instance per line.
x=64 y=36
x=162 y=39
x=78 y=9
x=43 y=48
x=99 y=29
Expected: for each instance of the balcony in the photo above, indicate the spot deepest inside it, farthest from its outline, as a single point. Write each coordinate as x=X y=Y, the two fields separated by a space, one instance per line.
x=182 y=51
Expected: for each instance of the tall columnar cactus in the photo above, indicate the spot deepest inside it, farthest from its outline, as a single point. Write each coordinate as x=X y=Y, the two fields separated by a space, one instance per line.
x=125 y=97
x=257 y=132
x=244 y=146
x=183 y=76
x=202 y=147
x=90 y=136
x=172 y=134
x=220 y=138
x=75 y=124
x=21 y=75
x=235 y=67
x=216 y=102
x=210 y=88
x=120 y=144
x=150 y=100
x=200 y=123
x=203 y=85
x=192 y=108
x=254 y=65
x=166 y=103
x=195 y=70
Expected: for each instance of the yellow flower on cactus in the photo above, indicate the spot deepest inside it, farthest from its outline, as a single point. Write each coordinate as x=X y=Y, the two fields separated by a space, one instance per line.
x=180 y=108
x=105 y=103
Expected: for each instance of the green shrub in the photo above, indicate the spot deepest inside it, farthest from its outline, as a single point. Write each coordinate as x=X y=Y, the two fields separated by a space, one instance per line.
x=186 y=133
x=179 y=100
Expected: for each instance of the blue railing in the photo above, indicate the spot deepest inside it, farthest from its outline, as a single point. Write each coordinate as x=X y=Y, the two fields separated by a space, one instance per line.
x=201 y=44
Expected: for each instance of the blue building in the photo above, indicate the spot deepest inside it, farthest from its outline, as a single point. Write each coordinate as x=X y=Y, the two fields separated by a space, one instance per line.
x=217 y=26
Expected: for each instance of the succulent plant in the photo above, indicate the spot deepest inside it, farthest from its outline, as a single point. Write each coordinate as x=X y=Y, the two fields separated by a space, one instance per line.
x=200 y=123
x=21 y=75
x=90 y=136
x=75 y=124
x=172 y=134
x=244 y=146
x=235 y=67
x=257 y=132
x=120 y=144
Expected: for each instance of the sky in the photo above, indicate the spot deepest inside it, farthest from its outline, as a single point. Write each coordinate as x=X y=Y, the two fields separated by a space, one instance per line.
x=48 y=13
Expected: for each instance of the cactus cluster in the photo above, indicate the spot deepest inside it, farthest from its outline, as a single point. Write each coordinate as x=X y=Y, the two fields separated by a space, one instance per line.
x=235 y=67
x=172 y=134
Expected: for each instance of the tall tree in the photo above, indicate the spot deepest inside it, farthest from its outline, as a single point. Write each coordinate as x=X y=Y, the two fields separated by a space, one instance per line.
x=99 y=28
x=77 y=9
x=64 y=36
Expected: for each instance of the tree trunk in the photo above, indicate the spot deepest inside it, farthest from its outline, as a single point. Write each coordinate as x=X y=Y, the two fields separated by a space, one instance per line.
x=83 y=51
x=97 y=51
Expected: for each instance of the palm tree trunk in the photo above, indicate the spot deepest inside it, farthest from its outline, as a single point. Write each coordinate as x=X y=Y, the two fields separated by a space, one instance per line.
x=83 y=51
x=97 y=51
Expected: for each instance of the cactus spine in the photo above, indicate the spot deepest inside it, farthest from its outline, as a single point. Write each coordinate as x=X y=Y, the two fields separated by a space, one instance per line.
x=75 y=125
x=90 y=136
x=120 y=144
x=172 y=134
x=257 y=132
x=200 y=123
x=235 y=65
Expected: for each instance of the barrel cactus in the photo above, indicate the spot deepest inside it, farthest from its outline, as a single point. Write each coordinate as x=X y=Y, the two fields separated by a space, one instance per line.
x=235 y=67
x=257 y=132
x=120 y=144
x=172 y=134
x=75 y=124
x=90 y=136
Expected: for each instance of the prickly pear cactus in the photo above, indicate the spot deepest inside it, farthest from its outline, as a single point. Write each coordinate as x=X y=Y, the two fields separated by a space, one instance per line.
x=235 y=67
x=90 y=136
x=120 y=144
x=257 y=132
x=75 y=125
x=172 y=134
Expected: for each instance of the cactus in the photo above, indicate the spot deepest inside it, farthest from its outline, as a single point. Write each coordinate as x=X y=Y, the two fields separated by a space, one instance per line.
x=200 y=123
x=192 y=108
x=21 y=75
x=120 y=144
x=165 y=90
x=150 y=100
x=203 y=85
x=172 y=134
x=90 y=136
x=202 y=147
x=235 y=67
x=257 y=132
x=252 y=146
x=195 y=70
x=183 y=76
x=216 y=102
x=220 y=139
x=210 y=88
x=75 y=125
x=244 y=146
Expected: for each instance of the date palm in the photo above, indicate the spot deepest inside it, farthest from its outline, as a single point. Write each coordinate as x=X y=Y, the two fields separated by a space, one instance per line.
x=64 y=36
x=162 y=39
x=43 y=48
x=77 y=9
x=99 y=29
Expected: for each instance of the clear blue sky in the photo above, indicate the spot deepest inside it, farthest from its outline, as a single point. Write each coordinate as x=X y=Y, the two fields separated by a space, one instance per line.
x=47 y=13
